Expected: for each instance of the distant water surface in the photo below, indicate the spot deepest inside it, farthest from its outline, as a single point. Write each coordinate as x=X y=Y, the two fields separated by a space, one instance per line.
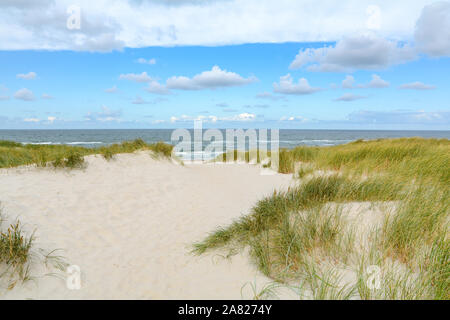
x=288 y=138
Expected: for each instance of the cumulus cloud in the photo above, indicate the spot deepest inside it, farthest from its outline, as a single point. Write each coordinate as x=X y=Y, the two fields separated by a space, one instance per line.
x=244 y=117
x=349 y=97
x=102 y=43
x=27 y=76
x=348 y=82
x=376 y=83
x=105 y=115
x=142 y=77
x=417 y=86
x=212 y=79
x=2 y=98
x=24 y=94
x=287 y=86
x=294 y=118
x=145 y=61
x=43 y=25
x=157 y=88
x=359 y=52
x=108 y=24
x=432 y=33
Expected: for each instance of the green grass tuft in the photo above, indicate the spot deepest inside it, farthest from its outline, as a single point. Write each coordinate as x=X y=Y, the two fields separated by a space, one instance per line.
x=291 y=232
x=15 y=253
x=14 y=154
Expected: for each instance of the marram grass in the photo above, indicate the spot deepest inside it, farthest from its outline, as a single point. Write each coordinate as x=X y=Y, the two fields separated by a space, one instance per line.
x=15 y=253
x=291 y=233
x=19 y=256
x=13 y=154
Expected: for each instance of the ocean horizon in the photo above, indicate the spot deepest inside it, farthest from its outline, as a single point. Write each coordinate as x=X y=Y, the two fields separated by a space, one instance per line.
x=288 y=138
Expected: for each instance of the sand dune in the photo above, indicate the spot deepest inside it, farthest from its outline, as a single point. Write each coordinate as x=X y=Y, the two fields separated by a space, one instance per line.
x=128 y=224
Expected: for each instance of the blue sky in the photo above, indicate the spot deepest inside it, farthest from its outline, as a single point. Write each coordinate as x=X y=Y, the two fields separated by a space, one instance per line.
x=374 y=78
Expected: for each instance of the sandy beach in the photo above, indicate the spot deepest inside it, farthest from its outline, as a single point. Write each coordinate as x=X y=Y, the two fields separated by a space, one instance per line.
x=129 y=225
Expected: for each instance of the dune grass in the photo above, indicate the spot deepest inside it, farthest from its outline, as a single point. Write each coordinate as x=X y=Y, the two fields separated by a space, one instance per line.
x=20 y=258
x=291 y=233
x=283 y=228
x=15 y=253
x=14 y=154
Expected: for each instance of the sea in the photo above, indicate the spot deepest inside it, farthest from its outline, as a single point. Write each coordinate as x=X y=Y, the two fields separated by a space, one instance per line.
x=287 y=138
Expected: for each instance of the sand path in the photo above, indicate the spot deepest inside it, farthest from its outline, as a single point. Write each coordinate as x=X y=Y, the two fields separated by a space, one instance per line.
x=128 y=224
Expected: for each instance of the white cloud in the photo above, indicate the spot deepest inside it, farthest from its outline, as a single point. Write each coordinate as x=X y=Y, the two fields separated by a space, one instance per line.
x=157 y=88
x=104 y=42
x=186 y=118
x=43 y=25
x=287 y=86
x=432 y=33
x=212 y=79
x=51 y=119
x=144 y=61
x=349 y=97
x=113 y=89
x=245 y=117
x=417 y=86
x=376 y=83
x=31 y=120
x=27 y=76
x=242 y=117
x=294 y=118
x=24 y=94
x=106 y=115
x=374 y=17
x=348 y=82
x=143 y=77
x=2 y=98
x=360 y=52
x=46 y=96
x=110 y=24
